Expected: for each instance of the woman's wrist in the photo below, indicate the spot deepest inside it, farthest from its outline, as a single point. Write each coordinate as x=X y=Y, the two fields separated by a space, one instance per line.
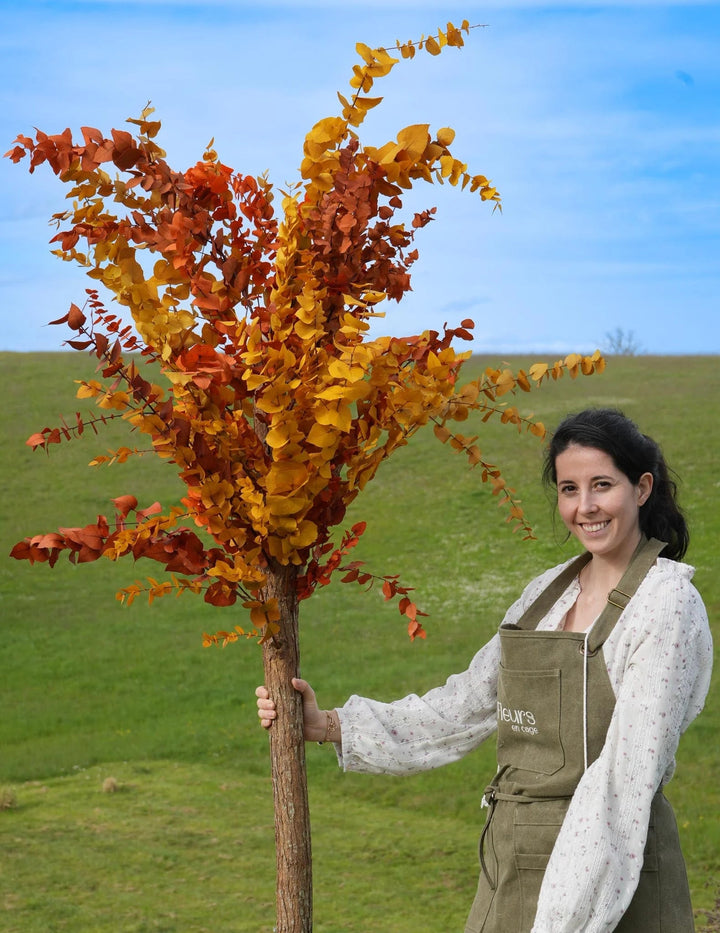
x=332 y=727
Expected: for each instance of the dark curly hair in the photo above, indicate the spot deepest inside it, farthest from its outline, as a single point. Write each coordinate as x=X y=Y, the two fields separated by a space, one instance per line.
x=633 y=453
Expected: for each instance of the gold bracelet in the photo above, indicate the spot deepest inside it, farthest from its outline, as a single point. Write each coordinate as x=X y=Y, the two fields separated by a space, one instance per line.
x=331 y=727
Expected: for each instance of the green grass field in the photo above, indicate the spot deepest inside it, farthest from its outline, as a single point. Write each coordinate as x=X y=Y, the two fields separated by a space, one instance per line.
x=92 y=691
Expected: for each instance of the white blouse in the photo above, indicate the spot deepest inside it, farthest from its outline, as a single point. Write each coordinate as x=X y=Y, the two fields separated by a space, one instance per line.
x=659 y=660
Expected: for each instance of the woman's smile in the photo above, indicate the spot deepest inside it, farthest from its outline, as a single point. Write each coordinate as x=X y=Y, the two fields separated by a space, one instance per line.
x=595 y=527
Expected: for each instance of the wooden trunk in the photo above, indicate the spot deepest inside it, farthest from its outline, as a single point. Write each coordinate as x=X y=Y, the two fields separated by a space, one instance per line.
x=281 y=657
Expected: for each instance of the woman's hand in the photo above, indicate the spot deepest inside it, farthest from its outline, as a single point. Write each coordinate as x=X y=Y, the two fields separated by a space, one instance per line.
x=315 y=720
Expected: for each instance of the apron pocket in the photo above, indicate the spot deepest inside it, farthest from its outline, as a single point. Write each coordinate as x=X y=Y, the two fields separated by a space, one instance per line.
x=528 y=714
x=535 y=829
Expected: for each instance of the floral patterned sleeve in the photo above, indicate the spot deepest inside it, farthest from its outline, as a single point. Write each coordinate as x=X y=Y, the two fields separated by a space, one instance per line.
x=422 y=732
x=418 y=733
x=659 y=659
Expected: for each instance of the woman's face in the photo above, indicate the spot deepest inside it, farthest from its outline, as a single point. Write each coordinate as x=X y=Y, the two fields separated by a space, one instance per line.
x=598 y=503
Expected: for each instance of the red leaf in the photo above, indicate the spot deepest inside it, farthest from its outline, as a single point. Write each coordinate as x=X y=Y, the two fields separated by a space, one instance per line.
x=407 y=608
x=125 y=504
x=101 y=344
x=51 y=540
x=89 y=538
x=153 y=509
x=220 y=594
x=75 y=318
x=24 y=550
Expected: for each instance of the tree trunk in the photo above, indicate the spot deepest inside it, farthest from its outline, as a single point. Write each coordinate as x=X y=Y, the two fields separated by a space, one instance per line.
x=281 y=656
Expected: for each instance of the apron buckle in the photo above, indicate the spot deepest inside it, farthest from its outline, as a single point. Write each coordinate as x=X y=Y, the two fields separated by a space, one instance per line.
x=618 y=598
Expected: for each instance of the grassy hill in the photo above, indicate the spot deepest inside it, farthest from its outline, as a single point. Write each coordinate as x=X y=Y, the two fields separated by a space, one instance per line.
x=134 y=781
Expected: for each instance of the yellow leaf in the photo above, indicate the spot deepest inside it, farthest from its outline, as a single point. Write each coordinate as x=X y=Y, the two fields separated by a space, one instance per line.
x=454 y=37
x=337 y=415
x=365 y=52
x=413 y=139
x=278 y=436
x=305 y=536
x=285 y=476
x=339 y=369
x=432 y=46
x=538 y=371
x=90 y=389
x=285 y=505
x=348 y=393
x=572 y=360
x=114 y=400
x=264 y=614
x=474 y=455
x=322 y=436
x=505 y=382
x=326 y=134
x=367 y=103
x=522 y=381
x=469 y=393
x=361 y=79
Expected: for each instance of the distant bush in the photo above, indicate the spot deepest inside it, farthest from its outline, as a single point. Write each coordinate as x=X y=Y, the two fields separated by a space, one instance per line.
x=621 y=343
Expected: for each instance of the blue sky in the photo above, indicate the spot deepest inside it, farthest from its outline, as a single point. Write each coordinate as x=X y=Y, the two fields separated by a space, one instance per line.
x=598 y=122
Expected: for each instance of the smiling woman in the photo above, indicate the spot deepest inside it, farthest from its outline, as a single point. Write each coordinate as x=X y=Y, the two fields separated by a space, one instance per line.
x=594 y=674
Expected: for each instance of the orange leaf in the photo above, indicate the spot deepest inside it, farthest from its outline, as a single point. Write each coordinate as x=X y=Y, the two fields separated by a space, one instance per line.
x=125 y=504
x=75 y=318
x=36 y=440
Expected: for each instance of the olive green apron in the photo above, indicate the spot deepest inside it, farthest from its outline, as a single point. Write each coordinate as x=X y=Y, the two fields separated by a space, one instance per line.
x=554 y=706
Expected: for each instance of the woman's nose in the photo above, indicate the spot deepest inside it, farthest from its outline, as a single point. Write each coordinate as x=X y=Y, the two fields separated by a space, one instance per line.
x=587 y=502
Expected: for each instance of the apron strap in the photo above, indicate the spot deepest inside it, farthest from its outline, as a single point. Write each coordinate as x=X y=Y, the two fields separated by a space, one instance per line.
x=642 y=560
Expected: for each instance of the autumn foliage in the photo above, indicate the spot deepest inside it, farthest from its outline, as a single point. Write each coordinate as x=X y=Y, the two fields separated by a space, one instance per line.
x=276 y=407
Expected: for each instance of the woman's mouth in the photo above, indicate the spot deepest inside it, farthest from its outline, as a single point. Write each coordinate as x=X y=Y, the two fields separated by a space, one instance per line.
x=592 y=527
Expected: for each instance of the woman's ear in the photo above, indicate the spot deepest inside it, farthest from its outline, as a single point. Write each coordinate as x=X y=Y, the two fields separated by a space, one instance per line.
x=644 y=488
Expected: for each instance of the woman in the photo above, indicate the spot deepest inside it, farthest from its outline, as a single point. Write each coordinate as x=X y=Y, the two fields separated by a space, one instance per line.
x=593 y=676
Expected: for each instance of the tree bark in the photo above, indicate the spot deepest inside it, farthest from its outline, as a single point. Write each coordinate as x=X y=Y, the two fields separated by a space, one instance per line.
x=281 y=657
